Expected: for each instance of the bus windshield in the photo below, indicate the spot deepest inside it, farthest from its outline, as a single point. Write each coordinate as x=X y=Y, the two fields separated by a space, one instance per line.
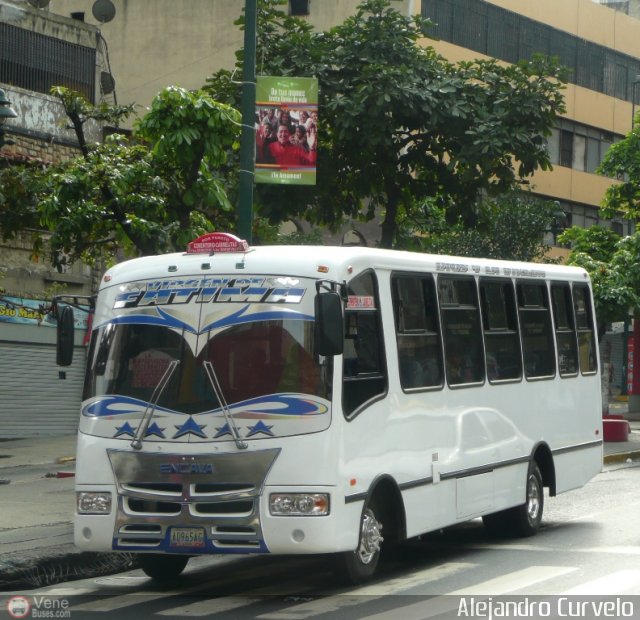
x=250 y=360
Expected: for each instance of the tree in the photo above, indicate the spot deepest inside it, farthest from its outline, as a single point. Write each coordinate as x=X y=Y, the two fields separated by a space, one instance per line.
x=145 y=195
x=622 y=162
x=611 y=262
x=509 y=227
x=399 y=123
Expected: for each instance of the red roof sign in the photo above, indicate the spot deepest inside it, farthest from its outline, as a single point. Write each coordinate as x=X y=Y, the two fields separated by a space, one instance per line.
x=213 y=243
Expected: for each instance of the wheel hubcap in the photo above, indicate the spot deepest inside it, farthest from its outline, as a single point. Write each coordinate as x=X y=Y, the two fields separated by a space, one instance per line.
x=370 y=537
x=533 y=499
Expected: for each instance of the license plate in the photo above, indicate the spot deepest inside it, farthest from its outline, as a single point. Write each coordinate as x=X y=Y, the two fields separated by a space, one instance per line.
x=187 y=537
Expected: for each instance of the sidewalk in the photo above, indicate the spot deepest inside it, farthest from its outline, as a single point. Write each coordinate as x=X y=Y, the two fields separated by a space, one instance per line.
x=36 y=514
x=37 y=500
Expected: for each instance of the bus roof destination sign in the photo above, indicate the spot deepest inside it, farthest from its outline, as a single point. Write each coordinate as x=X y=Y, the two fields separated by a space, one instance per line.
x=212 y=243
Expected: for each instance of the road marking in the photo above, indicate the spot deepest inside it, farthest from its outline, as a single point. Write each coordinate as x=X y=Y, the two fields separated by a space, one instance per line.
x=68 y=591
x=336 y=602
x=210 y=606
x=493 y=587
x=514 y=581
x=614 y=550
x=620 y=582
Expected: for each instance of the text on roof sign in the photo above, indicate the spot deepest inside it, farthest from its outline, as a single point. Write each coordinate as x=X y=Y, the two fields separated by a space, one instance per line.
x=217 y=242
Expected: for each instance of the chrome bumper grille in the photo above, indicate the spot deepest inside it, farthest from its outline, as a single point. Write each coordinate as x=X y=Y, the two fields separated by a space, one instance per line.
x=218 y=492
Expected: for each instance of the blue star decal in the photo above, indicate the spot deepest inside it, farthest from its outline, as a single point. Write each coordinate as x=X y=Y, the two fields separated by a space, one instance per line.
x=222 y=431
x=190 y=427
x=125 y=429
x=154 y=429
x=260 y=427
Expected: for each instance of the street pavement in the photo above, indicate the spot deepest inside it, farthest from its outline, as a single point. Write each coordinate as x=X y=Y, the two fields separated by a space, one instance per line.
x=37 y=507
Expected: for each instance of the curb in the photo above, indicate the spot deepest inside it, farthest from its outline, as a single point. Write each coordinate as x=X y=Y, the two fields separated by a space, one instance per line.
x=64 y=564
x=621 y=457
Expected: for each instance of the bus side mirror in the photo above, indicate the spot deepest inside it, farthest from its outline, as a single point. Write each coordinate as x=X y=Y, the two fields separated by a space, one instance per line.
x=329 y=332
x=64 y=341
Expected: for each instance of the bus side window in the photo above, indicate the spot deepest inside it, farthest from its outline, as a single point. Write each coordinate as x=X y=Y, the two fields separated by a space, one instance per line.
x=565 y=330
x=536 y=333
x=587 y=342
x=461 y=330
x=417 y=331
x=500 y=328
x=364 y=369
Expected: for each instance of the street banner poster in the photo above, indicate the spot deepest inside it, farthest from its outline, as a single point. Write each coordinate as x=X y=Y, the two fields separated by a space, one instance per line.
x=286 y=130
x=35 y=312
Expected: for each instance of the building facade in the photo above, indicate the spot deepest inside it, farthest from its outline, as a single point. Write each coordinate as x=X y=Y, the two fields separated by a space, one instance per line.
x=184 y=41
x=37 y=51
x=599 y=46
x=142 y=47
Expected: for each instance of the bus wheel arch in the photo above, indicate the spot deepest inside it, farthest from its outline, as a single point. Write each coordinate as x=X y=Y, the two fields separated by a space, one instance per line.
x=525 y=519
x=382 y=522
x=543 y=458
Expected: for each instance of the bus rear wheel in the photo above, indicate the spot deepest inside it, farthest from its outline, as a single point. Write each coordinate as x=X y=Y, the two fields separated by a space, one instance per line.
x=162 y=568
x=523 y=520
x=360 y=565
x=528 y=516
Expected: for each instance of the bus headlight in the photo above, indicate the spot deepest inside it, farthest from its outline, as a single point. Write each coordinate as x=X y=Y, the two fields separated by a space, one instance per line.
x=90 y=503
x=299 y=504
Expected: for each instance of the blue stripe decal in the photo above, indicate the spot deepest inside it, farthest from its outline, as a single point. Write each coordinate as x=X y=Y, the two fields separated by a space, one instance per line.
x=165 y=319
x=240 y=317
x=262 y=407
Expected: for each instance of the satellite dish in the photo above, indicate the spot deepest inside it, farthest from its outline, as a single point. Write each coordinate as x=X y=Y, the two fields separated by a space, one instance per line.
x=39 y=4
x=107 y=83
x=103 y=10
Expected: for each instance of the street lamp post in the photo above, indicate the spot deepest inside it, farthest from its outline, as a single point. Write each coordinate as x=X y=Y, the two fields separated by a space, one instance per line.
x=6 y=111
x=248 y=138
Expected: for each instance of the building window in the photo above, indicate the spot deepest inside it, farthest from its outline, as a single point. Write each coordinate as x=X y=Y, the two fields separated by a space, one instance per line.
x=37 y=62
x=577 y=146
x=298 y=7
x=491 y=30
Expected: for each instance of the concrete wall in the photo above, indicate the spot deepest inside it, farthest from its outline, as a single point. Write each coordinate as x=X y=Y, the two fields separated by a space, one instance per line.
x=40 y=133
x=23 y=15
x=158 y=43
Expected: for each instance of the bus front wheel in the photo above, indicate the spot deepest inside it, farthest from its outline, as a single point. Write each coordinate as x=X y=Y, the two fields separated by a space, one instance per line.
x=162 y=567
x=360 y=565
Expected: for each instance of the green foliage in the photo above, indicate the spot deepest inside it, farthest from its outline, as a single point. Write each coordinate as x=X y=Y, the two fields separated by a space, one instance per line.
x=612 y=263
x=596 y=241
x=622 y=162
x=18 y=202
x=398 y=123
x=147 y=195
x=509 y=227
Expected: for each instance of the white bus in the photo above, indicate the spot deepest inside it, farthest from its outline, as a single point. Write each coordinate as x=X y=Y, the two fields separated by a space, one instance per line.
x=315 y=400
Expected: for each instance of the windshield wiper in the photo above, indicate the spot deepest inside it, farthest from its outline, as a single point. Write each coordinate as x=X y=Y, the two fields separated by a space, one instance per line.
x=217 y=390
x=136 y=444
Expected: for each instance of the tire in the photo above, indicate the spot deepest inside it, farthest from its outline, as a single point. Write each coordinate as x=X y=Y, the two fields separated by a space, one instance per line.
x=527 y=517
x=162 y=568
x=524 y=520
x=497 y=523
x=359 y=566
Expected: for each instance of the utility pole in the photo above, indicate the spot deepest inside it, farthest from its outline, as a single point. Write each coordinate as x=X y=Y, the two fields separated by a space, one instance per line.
x=247 y=138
